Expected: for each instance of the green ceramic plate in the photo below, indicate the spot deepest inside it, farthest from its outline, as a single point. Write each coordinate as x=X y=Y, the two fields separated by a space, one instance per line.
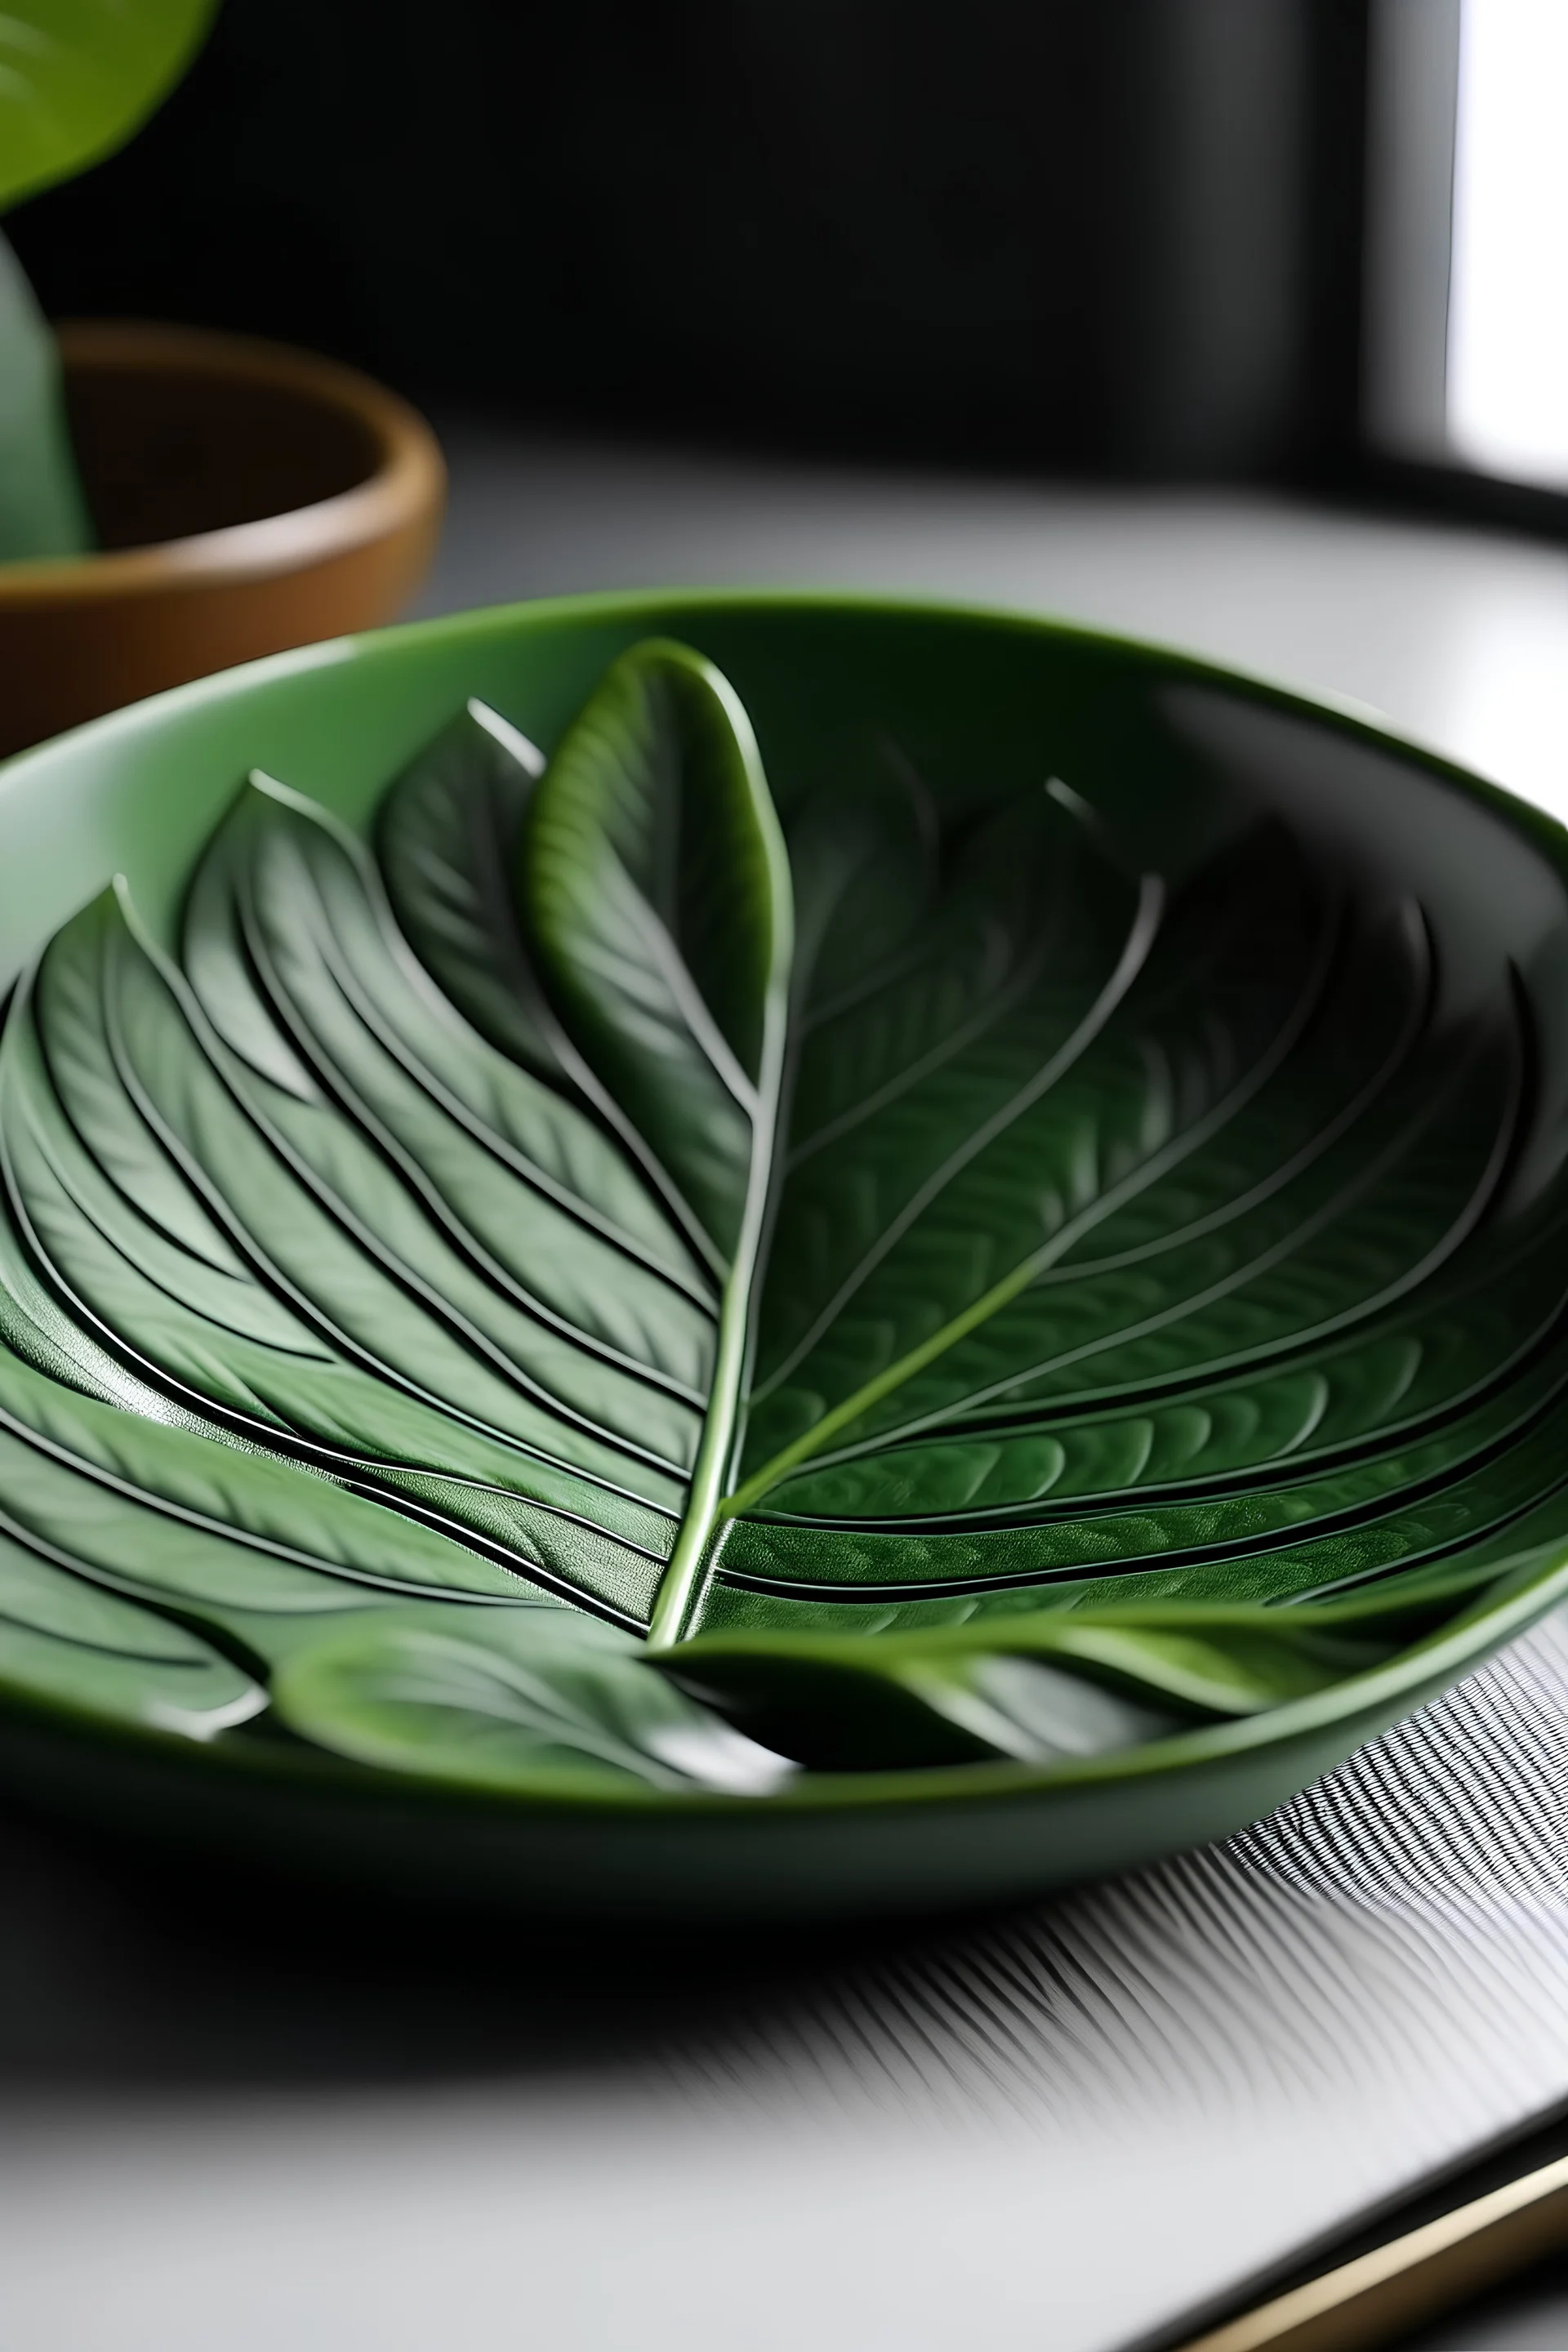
x=756 y=1254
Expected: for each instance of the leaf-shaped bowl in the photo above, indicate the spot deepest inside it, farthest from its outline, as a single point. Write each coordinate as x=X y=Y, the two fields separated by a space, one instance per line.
x=739 y=1254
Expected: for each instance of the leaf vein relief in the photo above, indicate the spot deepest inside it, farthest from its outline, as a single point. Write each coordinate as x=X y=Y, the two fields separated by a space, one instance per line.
x=598 y=1290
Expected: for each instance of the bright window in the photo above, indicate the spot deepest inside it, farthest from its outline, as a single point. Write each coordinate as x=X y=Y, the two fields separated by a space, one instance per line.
x=1508 y=317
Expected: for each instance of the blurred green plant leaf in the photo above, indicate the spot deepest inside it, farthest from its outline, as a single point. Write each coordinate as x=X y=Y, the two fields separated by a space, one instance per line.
x=77 y=77
x=43 y=512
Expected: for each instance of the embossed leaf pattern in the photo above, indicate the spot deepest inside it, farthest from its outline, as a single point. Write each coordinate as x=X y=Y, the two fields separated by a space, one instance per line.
x=595 y=1292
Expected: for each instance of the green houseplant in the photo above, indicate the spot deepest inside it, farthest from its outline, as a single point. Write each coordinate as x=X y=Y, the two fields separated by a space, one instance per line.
x=78 y=78
x=171 y=500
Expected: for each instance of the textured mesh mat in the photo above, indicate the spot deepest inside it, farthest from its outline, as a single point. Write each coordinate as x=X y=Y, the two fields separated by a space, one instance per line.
x=1343 y=2000
x=1080 y=2127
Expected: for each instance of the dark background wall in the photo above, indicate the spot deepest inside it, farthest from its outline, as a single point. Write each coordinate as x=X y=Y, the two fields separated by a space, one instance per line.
x=1107 y=234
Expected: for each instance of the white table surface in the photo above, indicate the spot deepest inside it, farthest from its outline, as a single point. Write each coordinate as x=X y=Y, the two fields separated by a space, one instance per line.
x=1457 y=636
x=232 y=2120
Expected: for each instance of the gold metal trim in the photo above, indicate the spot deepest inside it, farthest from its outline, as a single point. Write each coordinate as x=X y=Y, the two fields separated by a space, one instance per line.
x=1367 y=2302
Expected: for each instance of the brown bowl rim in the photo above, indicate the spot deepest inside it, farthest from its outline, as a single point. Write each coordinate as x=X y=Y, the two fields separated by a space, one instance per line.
x=409 y=480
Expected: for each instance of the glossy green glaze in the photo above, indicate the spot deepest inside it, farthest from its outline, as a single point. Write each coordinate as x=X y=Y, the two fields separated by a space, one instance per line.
x=922 y=1254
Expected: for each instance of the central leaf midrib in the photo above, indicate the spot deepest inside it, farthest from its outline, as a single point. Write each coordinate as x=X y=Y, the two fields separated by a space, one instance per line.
x=679 y=1589
x=678 y=1603
x=709 y=1508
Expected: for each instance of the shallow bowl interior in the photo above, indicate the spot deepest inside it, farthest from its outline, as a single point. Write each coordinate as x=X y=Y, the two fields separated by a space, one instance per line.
x=1170 y=754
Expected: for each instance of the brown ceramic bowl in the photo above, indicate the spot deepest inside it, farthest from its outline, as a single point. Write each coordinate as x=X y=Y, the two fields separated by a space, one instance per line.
x=247 y=498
